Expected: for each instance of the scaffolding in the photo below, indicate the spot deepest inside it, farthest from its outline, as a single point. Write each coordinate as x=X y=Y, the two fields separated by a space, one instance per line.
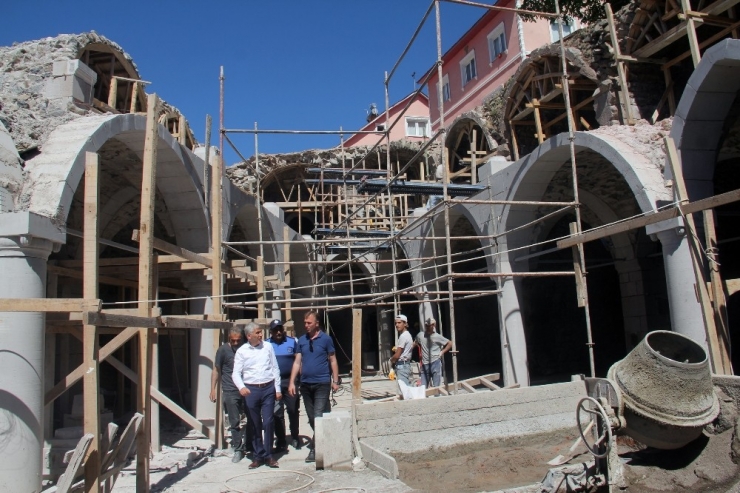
x=350 y=230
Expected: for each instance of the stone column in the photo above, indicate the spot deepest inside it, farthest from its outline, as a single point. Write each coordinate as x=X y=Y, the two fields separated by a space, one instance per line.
x=686 y=315
x=202 y=353
x=25 y=245
x=513 y=343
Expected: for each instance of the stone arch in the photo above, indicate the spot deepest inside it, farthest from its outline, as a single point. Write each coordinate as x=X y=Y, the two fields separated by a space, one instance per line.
x=459 y=142
x=616 y=181
x=706 y=130
x=476 y=318
x=534 y=102
x=55 y=175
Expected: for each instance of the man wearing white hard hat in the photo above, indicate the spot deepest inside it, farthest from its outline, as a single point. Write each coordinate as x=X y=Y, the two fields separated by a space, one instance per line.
x=401 y=359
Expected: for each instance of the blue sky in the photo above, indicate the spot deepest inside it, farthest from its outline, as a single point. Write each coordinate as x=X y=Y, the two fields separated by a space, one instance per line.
x=289 y=64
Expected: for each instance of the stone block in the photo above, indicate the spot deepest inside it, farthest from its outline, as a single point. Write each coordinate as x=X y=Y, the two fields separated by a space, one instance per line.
x=71 y=78
x=334 y=441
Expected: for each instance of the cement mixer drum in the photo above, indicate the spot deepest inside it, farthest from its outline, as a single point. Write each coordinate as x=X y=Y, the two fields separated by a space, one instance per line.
x=666 y=386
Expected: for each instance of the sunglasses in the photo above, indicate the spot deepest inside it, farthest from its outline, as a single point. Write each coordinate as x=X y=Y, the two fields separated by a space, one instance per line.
x=310 y=345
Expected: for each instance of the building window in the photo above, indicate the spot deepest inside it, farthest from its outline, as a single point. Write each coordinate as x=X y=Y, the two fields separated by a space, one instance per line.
x=446 y=95
x=497 y=42
x=568 y=27
x=468 y=68
x=417 y=126
x=380 y=128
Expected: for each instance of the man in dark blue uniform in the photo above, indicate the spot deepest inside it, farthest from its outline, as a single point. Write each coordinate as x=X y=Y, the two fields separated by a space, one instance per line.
x=285 y=350
x=317 y=364
x=223 y=366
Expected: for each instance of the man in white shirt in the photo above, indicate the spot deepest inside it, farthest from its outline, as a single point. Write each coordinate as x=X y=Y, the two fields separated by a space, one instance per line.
x=257 y=376
x=402 y=357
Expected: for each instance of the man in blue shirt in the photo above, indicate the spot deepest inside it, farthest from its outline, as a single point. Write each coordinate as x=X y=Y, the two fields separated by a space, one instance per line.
x=285 y=350
x=317 y=364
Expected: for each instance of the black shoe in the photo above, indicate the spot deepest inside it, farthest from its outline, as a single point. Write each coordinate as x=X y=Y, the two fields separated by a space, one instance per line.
x=295 y=443
x=311 y=456
x=279 y=449
x=238 y=455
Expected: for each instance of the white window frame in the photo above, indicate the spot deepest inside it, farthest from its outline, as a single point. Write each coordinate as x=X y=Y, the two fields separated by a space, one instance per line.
x=498 y=34
x=420 y=123
x=446 y=93
x=569 y=27
x=464 y=63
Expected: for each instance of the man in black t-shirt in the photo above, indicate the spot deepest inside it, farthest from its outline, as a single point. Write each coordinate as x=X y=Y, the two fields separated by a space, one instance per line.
x=233 y=401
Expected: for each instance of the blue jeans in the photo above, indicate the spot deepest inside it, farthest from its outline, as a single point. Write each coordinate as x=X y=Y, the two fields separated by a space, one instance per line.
x=403 y=372
x=261 y=405
x=432 y=372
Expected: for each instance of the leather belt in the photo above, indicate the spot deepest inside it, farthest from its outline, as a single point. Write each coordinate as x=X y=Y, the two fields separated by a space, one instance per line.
x=260 y=385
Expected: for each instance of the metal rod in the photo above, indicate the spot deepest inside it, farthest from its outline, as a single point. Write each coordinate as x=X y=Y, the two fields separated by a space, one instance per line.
x=504 y=9
x=574 y=171
x=408 y=46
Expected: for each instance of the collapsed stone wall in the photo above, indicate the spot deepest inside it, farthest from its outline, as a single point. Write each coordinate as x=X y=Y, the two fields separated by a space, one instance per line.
x=25 y=69
x=242 y=174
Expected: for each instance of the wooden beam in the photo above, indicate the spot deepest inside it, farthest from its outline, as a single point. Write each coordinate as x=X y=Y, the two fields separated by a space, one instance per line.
x=691 y=32
x=46 y=305
x=181 y=413
x=356 y=353
x=116 y=320
x=146 y=253
x=64 y=484
x=177 y=322
x=217 y=277
x=624 y=94
x=112 y=281
x=656 y=217
x=90 y=349
x=717 y=292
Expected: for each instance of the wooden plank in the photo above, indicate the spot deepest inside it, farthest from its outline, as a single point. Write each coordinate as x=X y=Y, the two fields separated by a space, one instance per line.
x=624 y=94
x=90 y=349
x=217 y=277
x=691 y=32
x=118 y=457
x=113 y=93
x=538 y=122
x=66 y=480
x=487 y=383
x=49 y=305
x=467 y=387
x=114 y=320
x=662 y=41
x=177 y=322
x=181 y=413
x=167 y=247
x=639 y=222
x=356 y=353
x=717 y=292
x=146 y=253
x=260 y=287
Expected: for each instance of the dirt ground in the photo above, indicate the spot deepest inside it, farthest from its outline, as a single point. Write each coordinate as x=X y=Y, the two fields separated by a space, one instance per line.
x=702 y=466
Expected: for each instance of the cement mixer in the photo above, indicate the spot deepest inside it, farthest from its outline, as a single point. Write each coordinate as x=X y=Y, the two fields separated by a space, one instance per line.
x=660 y=394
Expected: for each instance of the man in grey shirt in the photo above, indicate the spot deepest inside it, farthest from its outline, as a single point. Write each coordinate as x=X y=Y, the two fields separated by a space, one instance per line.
x=433 y=347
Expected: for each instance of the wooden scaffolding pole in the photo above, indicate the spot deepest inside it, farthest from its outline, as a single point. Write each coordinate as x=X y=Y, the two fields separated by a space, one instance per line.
x=217 y=284
x=146 y=253
x=624 y=93
x=288 y=313
x=91 y=394
x=356 y=354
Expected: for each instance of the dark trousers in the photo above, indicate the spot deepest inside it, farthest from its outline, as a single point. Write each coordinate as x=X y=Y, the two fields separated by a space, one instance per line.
x=291 y=404
x=234 y=406
x=261 y=406
x=316 y=400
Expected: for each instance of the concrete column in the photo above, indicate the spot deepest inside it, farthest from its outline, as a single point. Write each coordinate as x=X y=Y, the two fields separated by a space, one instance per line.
x=686 y=315
x=23 y=264
x=202 y=353
x=513 y=342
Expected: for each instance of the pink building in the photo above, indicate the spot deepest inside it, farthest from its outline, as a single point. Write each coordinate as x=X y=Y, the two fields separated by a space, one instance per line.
x=414 y=126
x=484 y=58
